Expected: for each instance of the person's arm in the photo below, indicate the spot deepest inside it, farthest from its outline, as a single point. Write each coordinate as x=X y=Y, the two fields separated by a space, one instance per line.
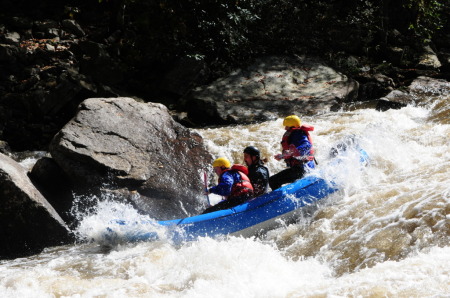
x=300 y=146
x=224 y=186
x=260 y=180
x=301 y=142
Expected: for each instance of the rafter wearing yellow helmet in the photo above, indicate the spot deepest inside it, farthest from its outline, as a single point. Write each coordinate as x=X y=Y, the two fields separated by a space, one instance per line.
x=234 y=185
x=297 y=152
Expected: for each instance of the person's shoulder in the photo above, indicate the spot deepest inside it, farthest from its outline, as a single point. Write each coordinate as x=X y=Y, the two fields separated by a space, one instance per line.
x=299 y=132
x=232 y=173
x=228 y=173
x=262 y=168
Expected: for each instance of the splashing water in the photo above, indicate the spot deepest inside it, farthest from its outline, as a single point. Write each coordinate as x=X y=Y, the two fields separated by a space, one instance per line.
x=384 y=234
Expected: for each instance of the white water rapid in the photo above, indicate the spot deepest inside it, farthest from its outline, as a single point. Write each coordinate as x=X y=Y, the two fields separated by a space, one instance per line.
x=385 y=234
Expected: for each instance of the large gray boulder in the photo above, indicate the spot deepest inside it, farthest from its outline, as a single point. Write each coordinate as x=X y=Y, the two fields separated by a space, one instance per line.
x=28 y=223
x=270 y=88
x=119 y=143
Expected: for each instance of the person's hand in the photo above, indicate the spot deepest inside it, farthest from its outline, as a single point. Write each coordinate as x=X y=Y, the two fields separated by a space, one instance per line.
x=278 y=156
x=293 y=151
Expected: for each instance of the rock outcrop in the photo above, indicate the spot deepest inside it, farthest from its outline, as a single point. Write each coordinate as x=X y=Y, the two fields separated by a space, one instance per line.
x=271 y=88
x=119 y=143
x=28 y=223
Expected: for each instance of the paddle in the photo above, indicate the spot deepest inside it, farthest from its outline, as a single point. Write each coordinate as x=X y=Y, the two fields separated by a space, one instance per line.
x=205 y=178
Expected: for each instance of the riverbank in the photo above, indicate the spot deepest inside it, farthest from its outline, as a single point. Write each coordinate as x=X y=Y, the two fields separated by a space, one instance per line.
x=53 y=59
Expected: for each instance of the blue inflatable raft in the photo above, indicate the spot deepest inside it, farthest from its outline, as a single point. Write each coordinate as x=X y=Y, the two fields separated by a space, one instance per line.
x=248 y=219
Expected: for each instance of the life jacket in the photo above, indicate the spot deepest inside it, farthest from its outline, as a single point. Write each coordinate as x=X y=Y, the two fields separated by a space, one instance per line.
x=287 y=146
x=242 y=187
x=240 y=168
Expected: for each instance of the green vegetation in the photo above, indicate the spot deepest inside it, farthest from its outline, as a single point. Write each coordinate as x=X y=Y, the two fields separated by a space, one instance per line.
x=428 y=16
x=233 y=31
x=223 y=32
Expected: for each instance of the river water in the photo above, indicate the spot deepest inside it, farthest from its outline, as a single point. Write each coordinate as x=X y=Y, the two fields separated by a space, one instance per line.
x=385 y=234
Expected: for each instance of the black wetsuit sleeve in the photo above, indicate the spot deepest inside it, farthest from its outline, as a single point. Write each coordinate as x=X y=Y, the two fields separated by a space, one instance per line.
x=259 y=179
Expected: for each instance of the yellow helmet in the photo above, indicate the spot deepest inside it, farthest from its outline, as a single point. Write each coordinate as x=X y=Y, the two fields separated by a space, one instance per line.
x=222 y=162
x=292 y=121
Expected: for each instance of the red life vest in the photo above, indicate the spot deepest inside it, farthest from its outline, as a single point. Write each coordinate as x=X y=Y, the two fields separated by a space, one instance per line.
x=240 y=168
x=286 y=146
x=243 y=186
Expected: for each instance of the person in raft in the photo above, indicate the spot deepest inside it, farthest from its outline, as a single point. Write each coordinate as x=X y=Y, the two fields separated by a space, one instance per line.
x=297 y=152
x=234 y=185
x=257 y=172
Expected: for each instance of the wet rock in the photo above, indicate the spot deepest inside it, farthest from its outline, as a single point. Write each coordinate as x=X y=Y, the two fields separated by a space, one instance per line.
x=28 y=223
x=270 y=88
x=429 y=86
x=417 y=92
x=374 y=86
x=384 y=105
x=428 y=59
x=370 y=90
x=398 y=96
x=121 y=143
